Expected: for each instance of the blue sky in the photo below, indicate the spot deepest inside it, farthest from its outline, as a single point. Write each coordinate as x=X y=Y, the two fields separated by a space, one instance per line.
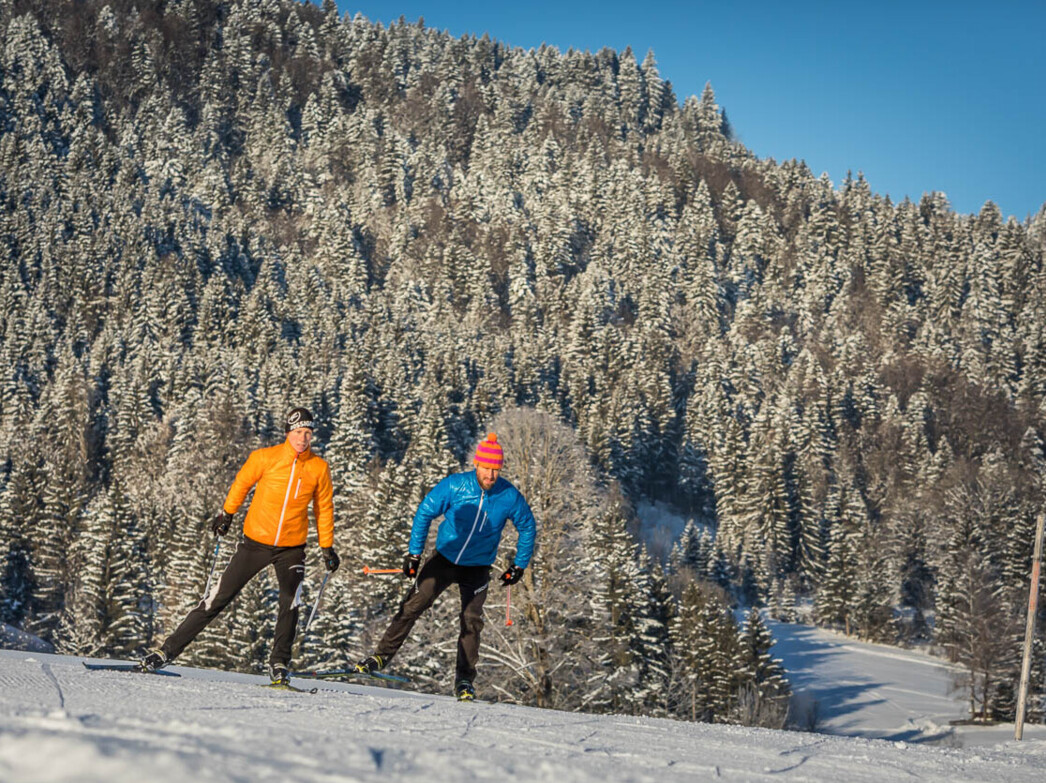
x=920 y=96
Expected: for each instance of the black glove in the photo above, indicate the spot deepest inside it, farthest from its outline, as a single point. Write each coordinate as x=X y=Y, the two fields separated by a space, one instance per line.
x=330 y=558
x=221 y=523
x=411 y=563
x=513 y=575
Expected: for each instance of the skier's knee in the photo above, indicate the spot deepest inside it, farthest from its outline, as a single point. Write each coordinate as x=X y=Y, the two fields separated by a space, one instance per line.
x=472 y=621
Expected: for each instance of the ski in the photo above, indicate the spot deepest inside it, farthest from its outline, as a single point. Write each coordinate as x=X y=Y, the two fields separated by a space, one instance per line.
x=281 y=686
x=392 y=679
x=336 y=673
x=125 y=667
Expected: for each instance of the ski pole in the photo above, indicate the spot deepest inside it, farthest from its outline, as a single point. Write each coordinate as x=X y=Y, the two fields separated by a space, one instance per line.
x=214 y=562
x=508 y=605
x=315 y=606
x=369 y=570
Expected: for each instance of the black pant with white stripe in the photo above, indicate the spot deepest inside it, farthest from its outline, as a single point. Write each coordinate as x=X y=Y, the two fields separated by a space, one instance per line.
x=249 y=558
x=435 y=576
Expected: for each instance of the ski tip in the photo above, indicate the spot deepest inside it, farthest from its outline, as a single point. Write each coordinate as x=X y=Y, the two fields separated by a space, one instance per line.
x=349 y=674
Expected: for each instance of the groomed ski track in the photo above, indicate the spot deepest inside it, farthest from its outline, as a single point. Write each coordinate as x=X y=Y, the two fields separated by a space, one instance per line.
x=60 y=722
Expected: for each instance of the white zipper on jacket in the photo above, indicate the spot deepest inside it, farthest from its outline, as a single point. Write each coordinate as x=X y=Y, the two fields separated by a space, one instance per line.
x=286 y=497
x=297 y=487
x=482 y=496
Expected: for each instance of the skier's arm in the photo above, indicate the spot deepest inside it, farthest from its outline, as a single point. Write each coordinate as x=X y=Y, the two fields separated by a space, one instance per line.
x=523 y=519
x=241 y=485
x=434 y=504
x=323 y=509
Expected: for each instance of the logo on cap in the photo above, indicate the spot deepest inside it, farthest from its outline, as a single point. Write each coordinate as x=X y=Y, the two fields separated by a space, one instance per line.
x=298 y=418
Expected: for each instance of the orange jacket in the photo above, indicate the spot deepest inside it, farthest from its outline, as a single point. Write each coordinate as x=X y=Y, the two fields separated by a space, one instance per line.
x=287 y=481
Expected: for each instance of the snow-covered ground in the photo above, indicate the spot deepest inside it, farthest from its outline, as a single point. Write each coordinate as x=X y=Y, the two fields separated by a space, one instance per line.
x=59 y=722
x=851 y=688
x=873 y=690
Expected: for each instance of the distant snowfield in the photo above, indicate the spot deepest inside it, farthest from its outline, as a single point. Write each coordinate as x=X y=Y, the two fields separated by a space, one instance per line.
x=873 y=690
x=59 y=722
x=856 y=689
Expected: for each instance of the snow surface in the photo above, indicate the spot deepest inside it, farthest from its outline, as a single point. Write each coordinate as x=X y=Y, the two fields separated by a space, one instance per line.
x=874 y=690
x=60 y=722
x=852 y=688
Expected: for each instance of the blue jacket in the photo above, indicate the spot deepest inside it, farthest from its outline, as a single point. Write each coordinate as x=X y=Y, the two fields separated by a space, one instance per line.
x=473 y=520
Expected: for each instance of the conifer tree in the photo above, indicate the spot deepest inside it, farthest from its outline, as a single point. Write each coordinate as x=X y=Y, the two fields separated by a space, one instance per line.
x=706 y=649
x=764 y=690
x=19 y=503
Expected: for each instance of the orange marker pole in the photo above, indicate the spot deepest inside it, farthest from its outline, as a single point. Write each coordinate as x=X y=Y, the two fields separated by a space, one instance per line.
x=368 y=570
x=1029 y=631
x=508 y=605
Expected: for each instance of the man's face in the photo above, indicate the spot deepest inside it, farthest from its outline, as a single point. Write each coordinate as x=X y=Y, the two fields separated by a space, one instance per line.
x=486 y=476
x=300 y=439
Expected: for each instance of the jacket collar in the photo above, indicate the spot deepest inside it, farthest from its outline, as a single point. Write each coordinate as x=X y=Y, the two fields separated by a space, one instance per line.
x=290 y=453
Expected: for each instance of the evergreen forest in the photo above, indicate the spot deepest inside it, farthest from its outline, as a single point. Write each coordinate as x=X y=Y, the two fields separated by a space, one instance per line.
x=217 y=210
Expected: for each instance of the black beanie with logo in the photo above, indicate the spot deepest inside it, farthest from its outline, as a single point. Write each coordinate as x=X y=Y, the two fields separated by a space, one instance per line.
x=298 y=418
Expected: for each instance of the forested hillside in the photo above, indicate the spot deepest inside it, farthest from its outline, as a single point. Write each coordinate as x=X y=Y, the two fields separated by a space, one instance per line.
x=215 y=210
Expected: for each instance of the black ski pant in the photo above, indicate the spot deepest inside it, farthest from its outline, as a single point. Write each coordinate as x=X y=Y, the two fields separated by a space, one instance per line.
x=435 y=576
x=249 y=558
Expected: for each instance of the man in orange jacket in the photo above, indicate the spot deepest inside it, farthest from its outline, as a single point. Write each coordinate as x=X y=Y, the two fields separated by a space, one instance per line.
x=287 y=476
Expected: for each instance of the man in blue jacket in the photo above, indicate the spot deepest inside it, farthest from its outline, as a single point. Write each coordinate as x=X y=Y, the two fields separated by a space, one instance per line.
x=475 y=507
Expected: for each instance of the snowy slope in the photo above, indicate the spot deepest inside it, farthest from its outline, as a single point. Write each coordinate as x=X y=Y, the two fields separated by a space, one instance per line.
x=59 y=722
x=854 y=688
x=873 y=690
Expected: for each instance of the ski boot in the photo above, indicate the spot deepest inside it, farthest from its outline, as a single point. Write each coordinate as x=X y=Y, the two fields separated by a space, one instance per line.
x=370 y=664
x=153 y=662
x=279 y=675
x=464 y=691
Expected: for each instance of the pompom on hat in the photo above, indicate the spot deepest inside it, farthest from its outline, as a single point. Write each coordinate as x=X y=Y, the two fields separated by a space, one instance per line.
x=489 y=453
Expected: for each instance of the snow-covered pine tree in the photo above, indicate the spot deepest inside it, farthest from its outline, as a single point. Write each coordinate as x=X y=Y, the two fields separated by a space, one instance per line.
x=691 y=555
x=838 y=588
x=764 y=691
x=19 y=504
x=705 y=655
x=65 y=462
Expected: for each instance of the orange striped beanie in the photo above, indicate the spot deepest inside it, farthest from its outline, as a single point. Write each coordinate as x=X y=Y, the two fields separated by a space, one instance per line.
x=489 y=454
